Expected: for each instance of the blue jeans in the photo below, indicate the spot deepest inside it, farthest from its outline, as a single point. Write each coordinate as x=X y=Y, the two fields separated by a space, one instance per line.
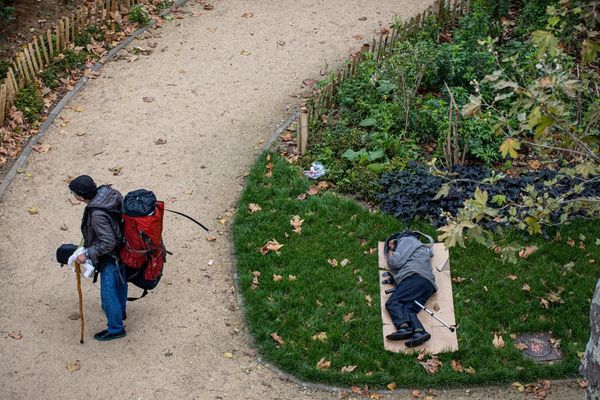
x=113 y=295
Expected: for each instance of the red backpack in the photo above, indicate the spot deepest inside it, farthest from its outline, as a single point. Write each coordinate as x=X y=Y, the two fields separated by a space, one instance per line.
x=143 y=251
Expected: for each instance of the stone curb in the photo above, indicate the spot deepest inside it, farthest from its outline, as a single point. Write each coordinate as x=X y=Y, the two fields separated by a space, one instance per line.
x=69 y=95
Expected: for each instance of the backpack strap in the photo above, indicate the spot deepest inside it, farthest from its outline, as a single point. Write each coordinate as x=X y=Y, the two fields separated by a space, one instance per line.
x=137 y=298
x=429 y=238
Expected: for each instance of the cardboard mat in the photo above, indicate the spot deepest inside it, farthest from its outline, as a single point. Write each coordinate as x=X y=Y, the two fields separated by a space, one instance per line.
x=441 y=304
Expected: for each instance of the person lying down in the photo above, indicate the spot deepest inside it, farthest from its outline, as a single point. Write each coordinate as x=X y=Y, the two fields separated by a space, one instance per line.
x=409 y=261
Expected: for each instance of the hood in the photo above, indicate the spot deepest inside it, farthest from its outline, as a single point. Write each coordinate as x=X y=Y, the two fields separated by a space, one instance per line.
x=107 y=198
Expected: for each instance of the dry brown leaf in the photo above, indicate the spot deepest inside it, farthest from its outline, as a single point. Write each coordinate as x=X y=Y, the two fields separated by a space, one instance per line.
x=160 y=141
x=41 y=148
x=544 y=303
x=78 y=109
x=291 y=278
x=207 y=6
x=15 y=335
x=277 y=338
x=391 y=386
x=527 y=251
x=247 y=15
x=333 y=262
x=456 y=366
x=416 y=394
x=253 y=207
x=313 y=190
x=376 y=396
x=245 y=53
x=432 y=366
x=271 y=245
x=255 y=276
x=526 y=288
x=571 y=242
x=211 y=239
x=534 y=164
x=358 y=37
x=301 y=196
x=73 y=366
x=116 y=171
x=323 y=364
x=518 y=386
x=369 y=300
x=348 y=368
x=277 y=278
x=470 y=370
x=269 y=167
x=344 y=262
x=520 y=346
x=458 y=279
x=356 y=389
x=498 y=341
x=296 y=222
x=348 y=317
x=148 y=99
x=321 y=336
x=512 y=277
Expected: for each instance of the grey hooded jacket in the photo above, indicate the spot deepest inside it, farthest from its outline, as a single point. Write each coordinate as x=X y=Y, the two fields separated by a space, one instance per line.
x=101 y=231
x=411 y=257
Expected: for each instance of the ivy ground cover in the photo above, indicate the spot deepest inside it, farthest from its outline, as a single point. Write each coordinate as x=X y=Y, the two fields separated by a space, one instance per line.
x=311 y=291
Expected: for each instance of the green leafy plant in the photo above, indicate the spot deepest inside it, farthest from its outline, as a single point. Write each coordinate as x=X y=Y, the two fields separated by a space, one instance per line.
x=30 y=101
x=139 y=14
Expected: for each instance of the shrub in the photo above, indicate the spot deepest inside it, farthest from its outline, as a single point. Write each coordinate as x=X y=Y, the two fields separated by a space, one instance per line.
x=30 y=101
x=72 y=59
x=50 y=76
x=138 y=14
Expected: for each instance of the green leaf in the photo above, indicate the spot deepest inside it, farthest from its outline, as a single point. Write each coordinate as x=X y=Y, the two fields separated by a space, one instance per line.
x=376 y=154
x=443 y=192
x=368 y=122
x=499 y=199
x=545 y=42
x=376 y=168
x=510 y=146
x=589 y=51
x=481 y=196
x=533 y=225
x=503 y=96
x=493 y=77
x=352 y=155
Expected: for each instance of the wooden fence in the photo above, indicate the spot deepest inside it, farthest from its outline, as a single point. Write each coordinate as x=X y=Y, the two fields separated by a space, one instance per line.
x=446 y=12
x=42 y=50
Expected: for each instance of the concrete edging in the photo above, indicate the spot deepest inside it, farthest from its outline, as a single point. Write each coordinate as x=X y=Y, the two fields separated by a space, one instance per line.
x=26 y=152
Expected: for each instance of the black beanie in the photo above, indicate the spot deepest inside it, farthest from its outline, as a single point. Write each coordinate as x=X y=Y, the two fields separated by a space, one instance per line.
x=83 y=186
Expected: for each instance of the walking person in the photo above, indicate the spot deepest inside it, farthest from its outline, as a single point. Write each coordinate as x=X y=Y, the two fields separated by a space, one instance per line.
x=102 y=236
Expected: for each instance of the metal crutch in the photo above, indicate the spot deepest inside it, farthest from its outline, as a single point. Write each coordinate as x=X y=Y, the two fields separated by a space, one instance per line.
x=452 y=328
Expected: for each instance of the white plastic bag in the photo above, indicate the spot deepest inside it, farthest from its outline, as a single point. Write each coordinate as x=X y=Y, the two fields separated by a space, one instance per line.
x=87 y=268
x=316 y=170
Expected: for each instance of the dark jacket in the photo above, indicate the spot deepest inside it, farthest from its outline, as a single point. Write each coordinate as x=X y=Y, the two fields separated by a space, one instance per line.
x=100 y=226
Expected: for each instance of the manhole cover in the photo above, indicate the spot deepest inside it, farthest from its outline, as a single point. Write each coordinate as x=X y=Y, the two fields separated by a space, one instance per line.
x=539 y=347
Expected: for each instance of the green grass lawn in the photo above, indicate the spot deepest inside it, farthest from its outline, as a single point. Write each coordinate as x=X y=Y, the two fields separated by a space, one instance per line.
x=321 y=295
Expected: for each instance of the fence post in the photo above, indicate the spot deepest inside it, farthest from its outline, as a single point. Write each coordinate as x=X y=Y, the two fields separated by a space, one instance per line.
x=27 y=62
x=38 y=53
x=303 y=130
x=2 y=102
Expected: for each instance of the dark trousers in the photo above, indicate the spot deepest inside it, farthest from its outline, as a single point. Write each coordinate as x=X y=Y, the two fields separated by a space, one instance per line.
x=401 y=306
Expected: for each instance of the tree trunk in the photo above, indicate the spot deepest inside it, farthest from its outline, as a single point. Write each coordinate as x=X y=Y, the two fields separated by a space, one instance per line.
x=590 y=367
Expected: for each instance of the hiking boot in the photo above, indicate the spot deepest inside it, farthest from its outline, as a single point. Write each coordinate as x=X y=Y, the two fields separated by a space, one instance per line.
x=420 y=336
x=104 y=336
x=401 y=334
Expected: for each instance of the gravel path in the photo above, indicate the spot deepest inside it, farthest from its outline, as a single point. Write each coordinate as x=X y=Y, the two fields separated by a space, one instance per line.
x=216 y=86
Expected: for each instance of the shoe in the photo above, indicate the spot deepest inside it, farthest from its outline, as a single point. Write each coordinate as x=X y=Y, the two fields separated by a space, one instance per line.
x=420 y=336
x=104 y=336
x=401 y=334
x=124 y=316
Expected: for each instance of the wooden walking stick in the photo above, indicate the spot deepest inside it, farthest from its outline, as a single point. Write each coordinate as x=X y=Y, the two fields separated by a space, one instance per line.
x=78 y=273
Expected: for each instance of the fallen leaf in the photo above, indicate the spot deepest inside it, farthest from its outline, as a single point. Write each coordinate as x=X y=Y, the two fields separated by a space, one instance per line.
x=296 y=222
x=582 y=384
x=74 y=202
x=212 y=28
x=253 y=207
x=160 y=141
x=287 y=136
x=344 y=262
x=436 y=307
x=227 y=355
x=80 y=133
x=358 y=37
x=456 y=366
x=301 y=196
x=458 y=279
x=571 y=242
x=323 y=364
x=291 y=278
x=470 y=370
x=544 y=303
x=207 y=6
x=41 y=148
x=376 y=396
x=247 y=15
x=512 y=277
x=348 y=368
x=78 y=109
x=313 y=190
x=148 y=99
x=64 y=227
x=356 y=389
x=369 y=300
x=255 y=276
x=280 y=43
x=277 y=278
x=498 y=341
x=332 y=262
x=271 y=245
x=527 y=251
x=15 y=335
x=555 y=343
x=432 y=366
x=73 y=366
x=211 y=239
x=245 y=53
x=421 y=355
x=521 y=346
x=321 y=336
x=116 y=171
x=309 y=82
x=277 y=338
x=269 y=167
x=534 y=164
x=416 y=394
x=362 y=19
x=33 y=210
x=73 y=316
x=518 y=386
x=391 y=386
x=348 y=317
x=526 y=288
